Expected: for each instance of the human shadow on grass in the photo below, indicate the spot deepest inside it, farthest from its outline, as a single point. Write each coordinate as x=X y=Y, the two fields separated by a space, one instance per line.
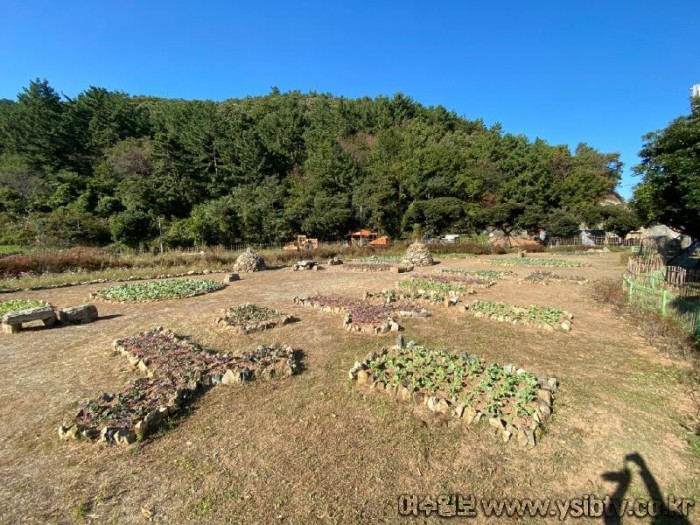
x=656 y=507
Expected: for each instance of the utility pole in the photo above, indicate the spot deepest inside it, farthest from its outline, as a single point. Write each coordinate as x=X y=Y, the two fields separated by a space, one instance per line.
x=160 y=235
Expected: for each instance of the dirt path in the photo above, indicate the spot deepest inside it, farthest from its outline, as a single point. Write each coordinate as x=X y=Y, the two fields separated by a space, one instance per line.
x=311 y=449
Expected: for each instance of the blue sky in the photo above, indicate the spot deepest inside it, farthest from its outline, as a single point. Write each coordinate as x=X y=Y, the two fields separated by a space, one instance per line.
x=599 y=72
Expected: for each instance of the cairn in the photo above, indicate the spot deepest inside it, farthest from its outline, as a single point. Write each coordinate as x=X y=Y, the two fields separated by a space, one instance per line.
x=417 y=254
x=248 y=262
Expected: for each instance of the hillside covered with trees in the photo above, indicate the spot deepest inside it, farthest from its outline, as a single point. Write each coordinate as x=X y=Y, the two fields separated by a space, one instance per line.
x=107 y=167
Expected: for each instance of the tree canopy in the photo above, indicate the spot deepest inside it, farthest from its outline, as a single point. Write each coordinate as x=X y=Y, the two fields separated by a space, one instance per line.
x=670 y=189
x=106 y=166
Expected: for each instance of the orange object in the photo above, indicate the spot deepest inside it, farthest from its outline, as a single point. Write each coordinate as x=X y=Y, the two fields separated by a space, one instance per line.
x=380 y=241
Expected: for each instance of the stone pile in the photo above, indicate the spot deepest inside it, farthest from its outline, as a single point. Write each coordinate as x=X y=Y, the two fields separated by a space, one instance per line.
x=417 y=254
x=248 y=262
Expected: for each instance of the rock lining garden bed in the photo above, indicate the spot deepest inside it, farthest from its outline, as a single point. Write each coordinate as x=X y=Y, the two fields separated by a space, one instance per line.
x=176 y=371
x=249 y=317
x=537 y=261
x=516 y=403
x=444 y=289
x=377 y=267
x=493 y=275
x=546 y=277
x=363 y=315
x=544 y=317
x=116 y=280
x=158 y=290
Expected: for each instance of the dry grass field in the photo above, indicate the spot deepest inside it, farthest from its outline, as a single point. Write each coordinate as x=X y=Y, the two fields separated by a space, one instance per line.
x=311 y=448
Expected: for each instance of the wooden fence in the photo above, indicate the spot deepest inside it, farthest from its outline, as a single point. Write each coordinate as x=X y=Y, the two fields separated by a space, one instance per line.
x=672 y=291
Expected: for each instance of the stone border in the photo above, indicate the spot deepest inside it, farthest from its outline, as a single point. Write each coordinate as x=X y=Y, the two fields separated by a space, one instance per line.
x=378 y=267
x=390 y=325
x=450 y=300
x=256 y=326
x=526 y=437
x=103 y=281
x=222 y=286
x=366 y=267
x=564 y=324
x=154 y=419
x=555 y=278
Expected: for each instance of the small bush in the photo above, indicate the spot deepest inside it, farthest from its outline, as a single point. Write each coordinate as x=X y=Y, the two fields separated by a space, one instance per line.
x=70 y=260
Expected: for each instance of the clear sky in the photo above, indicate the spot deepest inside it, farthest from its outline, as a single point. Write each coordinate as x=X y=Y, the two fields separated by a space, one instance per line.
x=599 y=72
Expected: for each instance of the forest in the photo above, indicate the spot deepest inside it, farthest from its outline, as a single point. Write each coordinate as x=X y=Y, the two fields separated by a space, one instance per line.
x=108 y=168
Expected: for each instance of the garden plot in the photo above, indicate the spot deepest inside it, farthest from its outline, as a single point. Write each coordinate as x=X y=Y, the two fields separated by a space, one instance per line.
x=158 y=290
x=378 y=267
x=446 y=289
x=363 y=315
x=249 y=317
x=494 y=275
x=7 y=307
x=537 y=261
x=176 y=370
x=516 y=403
x=368 y=267
x=546 y=277
x=379 y=259
x=544 y=317
x=443 y=256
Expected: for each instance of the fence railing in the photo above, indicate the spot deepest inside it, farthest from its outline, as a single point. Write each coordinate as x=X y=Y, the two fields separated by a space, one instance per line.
x=671 y=291
x=593 y=240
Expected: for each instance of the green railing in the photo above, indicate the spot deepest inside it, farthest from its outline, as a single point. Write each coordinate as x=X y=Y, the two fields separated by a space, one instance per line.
x=648 y=291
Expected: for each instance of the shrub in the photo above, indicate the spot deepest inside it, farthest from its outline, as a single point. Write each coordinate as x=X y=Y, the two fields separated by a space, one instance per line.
x=70 y=260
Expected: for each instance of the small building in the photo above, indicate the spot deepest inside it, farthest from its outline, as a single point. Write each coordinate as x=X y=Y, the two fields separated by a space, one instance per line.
x=381 y=241
x=362 y=237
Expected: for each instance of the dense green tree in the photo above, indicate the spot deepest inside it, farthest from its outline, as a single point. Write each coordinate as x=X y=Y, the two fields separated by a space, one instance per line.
x=214 y=222
x=562 y=224
x=620 y=220
x=670 y=189
x=36 y=130
x=131 y=228
x=262 y=169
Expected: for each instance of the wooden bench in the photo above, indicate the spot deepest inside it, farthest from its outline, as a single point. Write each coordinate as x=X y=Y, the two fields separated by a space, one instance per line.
x=12 y=322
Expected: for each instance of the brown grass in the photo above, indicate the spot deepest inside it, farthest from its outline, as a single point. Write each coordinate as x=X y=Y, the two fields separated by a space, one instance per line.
x=311 y=449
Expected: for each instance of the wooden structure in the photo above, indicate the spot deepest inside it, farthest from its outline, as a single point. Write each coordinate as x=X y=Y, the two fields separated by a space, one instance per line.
x=362 y=237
